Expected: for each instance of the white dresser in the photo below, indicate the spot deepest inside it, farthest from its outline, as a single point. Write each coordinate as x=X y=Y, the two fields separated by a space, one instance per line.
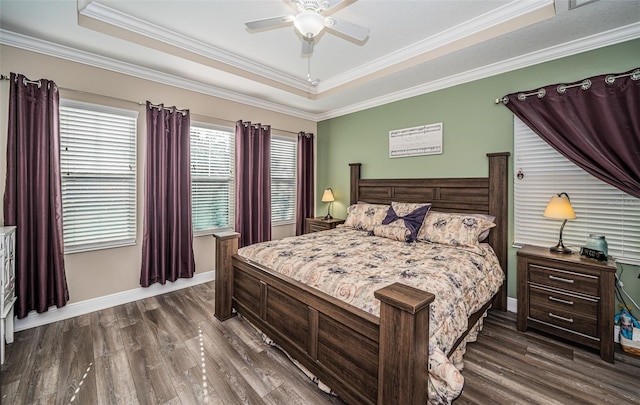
x=7 y=284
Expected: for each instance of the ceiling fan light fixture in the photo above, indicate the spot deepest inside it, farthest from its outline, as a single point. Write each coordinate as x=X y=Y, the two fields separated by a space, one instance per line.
x=309 y=23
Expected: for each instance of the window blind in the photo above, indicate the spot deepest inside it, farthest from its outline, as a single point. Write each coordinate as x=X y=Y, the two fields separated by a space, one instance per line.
x=212 y=186
x=283 y=180
x=98 y=169
x=599 y=207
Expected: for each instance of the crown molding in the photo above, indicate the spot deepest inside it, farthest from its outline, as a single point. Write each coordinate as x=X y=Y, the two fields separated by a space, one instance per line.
x=612 y=37
x=67 y=53
x=126 y=22
x=607 y=38
x=470 y=28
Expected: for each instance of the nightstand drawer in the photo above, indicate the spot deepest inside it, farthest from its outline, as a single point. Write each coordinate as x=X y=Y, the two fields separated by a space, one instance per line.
x=565 y=280
x=553 y=300
x=318 y=224
x=316 y=227
x=566 y=319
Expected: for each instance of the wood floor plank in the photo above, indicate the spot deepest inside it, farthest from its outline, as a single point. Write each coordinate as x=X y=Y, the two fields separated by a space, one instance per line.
x=191 y=390
x=150 y=378
x=77 y=378
x=150 y=352
x=107 y=338
x=18 y=355
x=128 y=314
x=77 y=322
x=250 y=364
x=529 y=381
x=185 y=327
x=8 y=392
x=225 y=378
x=115 y=380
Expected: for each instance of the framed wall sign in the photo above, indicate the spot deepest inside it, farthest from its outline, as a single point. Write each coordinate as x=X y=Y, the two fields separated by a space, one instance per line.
x=417 y=141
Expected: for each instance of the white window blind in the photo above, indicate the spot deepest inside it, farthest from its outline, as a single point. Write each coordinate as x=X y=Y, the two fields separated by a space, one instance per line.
x=283 y=180
x=98 y=169
x=599 y=207
x=212 y=186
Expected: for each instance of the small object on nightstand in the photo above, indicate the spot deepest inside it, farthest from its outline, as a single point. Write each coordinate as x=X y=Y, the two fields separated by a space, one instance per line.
x=593 y=254
x=320 y=224
x=597 y=242
x=568 y=296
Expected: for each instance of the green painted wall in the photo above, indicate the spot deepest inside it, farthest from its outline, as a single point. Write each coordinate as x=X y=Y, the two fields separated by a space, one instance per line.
x=473 y=126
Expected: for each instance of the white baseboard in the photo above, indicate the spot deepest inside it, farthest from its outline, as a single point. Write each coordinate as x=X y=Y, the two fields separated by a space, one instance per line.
x=512 y=304
x=108 y=301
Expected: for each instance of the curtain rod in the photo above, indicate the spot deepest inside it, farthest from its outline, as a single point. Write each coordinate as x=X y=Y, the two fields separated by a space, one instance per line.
x=5 y=77
x=585 y=85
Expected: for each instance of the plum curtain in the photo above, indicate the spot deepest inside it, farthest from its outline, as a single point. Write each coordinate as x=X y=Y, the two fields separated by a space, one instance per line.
x=253 y=182
x=167 y=244
x=595 y=123
x=304 y=185
x=33 y=194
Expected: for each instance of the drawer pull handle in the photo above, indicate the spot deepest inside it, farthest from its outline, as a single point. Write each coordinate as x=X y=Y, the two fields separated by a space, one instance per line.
x=560 y=300
x=564 y=280
x=562 y=318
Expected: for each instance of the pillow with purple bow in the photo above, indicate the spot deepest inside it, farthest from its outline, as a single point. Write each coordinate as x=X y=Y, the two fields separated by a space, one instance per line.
x=409 y=215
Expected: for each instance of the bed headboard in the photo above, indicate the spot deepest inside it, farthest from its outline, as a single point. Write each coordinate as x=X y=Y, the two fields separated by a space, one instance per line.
x=484 y=195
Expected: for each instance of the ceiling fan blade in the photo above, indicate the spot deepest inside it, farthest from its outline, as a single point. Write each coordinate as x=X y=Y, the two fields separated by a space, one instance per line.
x=268 y=22
x=307 y=46
x=346 y=28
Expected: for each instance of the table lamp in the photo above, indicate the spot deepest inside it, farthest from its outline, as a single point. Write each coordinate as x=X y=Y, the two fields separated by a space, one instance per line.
x=328 y=197
x=559 y=207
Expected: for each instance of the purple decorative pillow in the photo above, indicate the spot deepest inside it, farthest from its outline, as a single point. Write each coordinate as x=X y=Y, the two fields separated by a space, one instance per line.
x=408 y=215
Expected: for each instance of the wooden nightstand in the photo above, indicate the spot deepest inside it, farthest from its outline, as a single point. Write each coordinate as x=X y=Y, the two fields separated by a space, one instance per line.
x=568 y=296
x=320 y=224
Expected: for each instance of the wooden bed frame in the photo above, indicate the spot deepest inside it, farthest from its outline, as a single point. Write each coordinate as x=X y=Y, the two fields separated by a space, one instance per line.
x=363 y=358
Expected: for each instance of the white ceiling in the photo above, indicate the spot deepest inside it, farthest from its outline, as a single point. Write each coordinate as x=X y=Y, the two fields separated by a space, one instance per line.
x=414 y=47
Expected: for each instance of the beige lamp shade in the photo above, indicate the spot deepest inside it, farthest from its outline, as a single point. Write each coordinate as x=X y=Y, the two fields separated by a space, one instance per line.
x=327 y=196
x=559 y=207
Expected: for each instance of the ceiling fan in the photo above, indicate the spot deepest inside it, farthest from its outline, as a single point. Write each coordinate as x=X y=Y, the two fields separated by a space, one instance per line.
x=310 y=22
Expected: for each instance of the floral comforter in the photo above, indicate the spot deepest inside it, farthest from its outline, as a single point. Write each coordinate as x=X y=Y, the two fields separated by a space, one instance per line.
x=350 y=265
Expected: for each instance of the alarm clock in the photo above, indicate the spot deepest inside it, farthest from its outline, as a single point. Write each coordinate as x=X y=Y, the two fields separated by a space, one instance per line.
x=593 y=254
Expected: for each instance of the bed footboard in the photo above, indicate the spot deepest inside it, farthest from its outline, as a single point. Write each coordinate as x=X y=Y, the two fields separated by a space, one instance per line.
x=365 y=359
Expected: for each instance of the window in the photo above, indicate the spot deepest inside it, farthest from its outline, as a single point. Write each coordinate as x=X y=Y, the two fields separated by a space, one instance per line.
x=283 y=180
x=212 y=187
x=98 y=169
x=600 y=208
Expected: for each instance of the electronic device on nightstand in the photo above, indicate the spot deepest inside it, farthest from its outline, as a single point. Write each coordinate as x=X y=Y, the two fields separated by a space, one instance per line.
x=596 y=247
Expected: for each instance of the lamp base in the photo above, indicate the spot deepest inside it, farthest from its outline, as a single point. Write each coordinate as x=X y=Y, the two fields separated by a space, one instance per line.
x=327 y=217
x=560 y=248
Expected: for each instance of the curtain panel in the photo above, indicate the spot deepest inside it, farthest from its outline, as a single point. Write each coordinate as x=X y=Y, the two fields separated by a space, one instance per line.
x=253 y=182
x=304 y=185
x=595 y=123
x=33 y=194
x=167 y=244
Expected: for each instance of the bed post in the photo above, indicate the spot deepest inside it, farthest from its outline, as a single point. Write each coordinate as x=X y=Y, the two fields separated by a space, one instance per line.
x=226 y=247
x=403 y=345
x=355 y=179
x=499 y=208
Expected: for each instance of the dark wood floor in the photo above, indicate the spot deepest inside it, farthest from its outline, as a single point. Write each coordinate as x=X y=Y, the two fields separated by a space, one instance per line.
x=170 y=350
